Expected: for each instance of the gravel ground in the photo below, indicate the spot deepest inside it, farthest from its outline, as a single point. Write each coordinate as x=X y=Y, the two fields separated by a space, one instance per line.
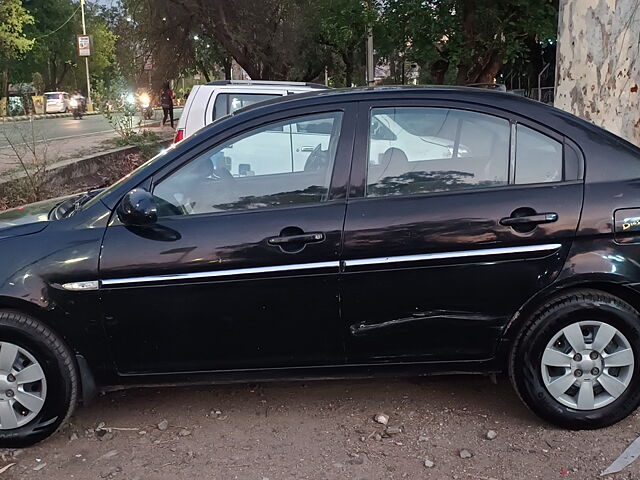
x=321 y=430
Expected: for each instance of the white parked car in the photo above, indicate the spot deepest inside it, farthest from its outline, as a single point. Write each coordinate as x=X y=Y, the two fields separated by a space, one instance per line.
x=214 y=100
x=56 y=102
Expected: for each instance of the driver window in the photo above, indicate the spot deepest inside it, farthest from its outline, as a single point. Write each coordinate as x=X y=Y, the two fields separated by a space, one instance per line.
x=280 y=164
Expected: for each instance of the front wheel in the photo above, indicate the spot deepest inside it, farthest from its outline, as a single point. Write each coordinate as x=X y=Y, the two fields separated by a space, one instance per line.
x=38 y=381
x=577 y=362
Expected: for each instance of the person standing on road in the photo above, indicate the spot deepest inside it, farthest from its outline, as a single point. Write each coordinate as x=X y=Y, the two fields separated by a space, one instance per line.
x=166 y=98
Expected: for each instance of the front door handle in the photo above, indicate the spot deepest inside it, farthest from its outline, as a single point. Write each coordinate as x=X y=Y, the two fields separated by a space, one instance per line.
x=536 y=219
x=297 y=239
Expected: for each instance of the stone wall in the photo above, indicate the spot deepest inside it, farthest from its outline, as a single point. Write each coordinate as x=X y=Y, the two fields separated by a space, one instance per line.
x=598 y=64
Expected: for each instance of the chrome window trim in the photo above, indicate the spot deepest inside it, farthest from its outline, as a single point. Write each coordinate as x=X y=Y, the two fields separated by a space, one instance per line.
x=457 y=254
x=221 y=273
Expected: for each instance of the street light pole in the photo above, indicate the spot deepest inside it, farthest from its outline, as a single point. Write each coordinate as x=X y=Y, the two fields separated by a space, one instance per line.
x=86 y=59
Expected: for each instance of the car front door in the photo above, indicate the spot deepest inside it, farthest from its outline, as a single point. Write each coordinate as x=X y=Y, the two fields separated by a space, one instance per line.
x=240 y=271
x=448 y=235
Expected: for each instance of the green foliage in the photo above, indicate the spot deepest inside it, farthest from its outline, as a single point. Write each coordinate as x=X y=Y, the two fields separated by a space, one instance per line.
x=475 y=36
x=54 y=31
x=451 y=41
x=38 y=83
x=13 y=19
x=342 y=28
x=103 y=41
x=122 y=119
x=56 y=24
x=147 y=142
x=109 y=91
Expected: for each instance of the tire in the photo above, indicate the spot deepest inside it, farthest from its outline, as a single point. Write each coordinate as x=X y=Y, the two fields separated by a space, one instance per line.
x=591 y=310
x=35 y=340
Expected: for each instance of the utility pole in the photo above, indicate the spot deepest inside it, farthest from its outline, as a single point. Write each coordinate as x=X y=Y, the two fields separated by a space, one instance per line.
x=370 y=67
x=86 y=62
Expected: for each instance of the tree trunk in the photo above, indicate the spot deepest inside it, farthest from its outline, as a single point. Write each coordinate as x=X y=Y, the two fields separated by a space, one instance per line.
x=5 y=82
x=227 y=62
x=65 y=70
x=468 y=36
x=438 y=70
x=53 y=74
x=490 y=70
x=597 y=68
x=347 y=59
x=203 y=70
x=392 y=69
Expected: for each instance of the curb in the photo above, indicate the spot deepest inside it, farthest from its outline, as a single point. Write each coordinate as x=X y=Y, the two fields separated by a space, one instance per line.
x=43 y=116
x=47 y=116
x=77 y=167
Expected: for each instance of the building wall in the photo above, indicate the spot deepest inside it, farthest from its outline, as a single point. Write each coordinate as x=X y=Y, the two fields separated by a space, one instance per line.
x=598 y=64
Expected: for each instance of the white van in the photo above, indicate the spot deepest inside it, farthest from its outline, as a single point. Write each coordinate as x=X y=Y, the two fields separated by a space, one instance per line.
x=213 y=100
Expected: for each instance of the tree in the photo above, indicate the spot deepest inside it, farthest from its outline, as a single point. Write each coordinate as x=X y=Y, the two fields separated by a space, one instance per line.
x=342 y=26
x=103 y=43
x=270 y=39
x=477 y=37
x=54 y=31
x=496 y=31
x=13 y=42
x=54 y=56
x=424 y=32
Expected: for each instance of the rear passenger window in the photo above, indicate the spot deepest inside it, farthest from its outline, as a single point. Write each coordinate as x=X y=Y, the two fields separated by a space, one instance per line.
x=538 y=157
x=227 y=103
x=415 y=150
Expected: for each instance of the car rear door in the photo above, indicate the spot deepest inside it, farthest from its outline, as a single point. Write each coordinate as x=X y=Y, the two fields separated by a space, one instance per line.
x=241 y=269
x=452 y=228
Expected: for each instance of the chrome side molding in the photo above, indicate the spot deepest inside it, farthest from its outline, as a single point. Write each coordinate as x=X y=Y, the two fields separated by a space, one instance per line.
x=484 y=252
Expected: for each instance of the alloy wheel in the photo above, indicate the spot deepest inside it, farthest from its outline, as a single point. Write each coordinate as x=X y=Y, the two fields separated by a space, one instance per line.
x=587 y=365
x=23 y=386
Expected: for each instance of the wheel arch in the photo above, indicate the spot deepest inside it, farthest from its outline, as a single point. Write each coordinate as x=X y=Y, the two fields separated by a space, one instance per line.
x=612 y=286
x=29 y=308
x=88 y=389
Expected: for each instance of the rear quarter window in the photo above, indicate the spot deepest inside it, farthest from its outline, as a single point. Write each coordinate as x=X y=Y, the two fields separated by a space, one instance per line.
x=538 y=157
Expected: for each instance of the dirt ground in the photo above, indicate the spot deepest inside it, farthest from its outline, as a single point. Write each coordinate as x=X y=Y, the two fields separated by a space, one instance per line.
x=320 y=430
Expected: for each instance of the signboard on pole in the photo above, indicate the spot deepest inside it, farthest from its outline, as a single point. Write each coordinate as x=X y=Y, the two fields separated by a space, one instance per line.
x=84 y=45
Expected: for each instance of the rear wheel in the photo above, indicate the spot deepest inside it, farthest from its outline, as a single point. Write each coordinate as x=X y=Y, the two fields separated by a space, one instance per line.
x=38 y=381
x=577 y=362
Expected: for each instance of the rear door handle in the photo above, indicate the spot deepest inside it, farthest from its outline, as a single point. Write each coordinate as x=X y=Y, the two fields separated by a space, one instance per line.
x=549 y=217
x=306 y=149
x=304 y=238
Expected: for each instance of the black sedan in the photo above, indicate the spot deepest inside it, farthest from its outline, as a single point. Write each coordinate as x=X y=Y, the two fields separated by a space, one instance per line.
x=343 y=233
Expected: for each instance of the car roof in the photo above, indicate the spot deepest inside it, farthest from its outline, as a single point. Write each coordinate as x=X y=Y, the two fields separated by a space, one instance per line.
x=267 y=83
x=395 y=91
x=548 y=115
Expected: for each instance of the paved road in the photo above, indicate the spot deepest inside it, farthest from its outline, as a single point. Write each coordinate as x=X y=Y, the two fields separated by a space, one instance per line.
x=61 y=128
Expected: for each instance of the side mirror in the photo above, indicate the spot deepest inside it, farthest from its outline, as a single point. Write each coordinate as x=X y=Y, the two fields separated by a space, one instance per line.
x=138 y=208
